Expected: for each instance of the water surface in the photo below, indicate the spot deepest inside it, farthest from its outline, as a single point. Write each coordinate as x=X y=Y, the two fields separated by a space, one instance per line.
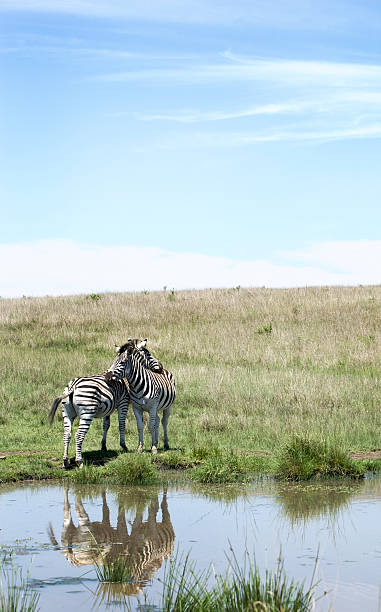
x=58 y=533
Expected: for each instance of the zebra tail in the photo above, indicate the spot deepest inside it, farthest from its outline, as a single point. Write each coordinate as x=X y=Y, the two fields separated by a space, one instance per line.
x=55 y=405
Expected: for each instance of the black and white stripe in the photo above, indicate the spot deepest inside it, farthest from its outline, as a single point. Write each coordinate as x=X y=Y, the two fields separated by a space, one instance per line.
x=150 y=391
x=92 y=397
x=87 y=398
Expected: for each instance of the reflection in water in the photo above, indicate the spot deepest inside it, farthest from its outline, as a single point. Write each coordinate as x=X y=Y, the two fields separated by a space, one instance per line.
x=302 y=502
x=144 y=544
x=338 y=518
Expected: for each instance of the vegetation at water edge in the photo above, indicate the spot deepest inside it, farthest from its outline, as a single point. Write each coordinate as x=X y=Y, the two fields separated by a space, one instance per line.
x=254 y=368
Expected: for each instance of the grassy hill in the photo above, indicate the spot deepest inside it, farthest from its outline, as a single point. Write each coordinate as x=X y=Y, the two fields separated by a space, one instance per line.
x=253 y=367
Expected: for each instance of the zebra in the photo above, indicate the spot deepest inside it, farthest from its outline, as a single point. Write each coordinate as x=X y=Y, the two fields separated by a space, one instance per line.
x=92 y=397
x=150 y=391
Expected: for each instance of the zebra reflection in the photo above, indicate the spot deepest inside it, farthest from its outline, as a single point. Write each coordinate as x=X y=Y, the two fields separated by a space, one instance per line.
x=144 y=543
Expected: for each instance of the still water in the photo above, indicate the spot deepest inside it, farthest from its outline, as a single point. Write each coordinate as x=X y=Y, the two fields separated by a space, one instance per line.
x=53 y=531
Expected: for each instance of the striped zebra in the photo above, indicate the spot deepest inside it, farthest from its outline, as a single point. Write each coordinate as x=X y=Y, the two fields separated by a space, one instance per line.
x=92 y=397
x=151 y=390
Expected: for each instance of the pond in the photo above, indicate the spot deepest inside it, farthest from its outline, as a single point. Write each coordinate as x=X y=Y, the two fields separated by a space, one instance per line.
x=58 y=533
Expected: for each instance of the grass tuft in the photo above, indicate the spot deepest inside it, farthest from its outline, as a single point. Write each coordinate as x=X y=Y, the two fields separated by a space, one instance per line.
x=242 y=588
x=113 y=570
x=174 y=460
x=222 y=468
x=132 y=469
x=303 y=458
x=15 y=592
x=127 y=469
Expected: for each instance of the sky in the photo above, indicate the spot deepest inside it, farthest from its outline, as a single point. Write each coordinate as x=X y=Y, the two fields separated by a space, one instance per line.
x=188 y=144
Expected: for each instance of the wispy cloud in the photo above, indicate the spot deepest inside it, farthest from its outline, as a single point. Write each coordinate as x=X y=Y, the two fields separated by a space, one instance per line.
x=332 y=101
x=291 y=14
x=281 y=72
x=39 y=269
x=228 y=139
x=189 y=116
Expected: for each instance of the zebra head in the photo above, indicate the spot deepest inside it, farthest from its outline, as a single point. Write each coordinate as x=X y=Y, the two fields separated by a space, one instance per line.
x=121 y=363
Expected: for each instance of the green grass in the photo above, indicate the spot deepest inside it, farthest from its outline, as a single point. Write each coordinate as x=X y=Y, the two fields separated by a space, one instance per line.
x=185 y=589
x=313 y=372
x=127 y=469
x=113 y=570
x=303 y=458
x=226 y=468
x=15 y=593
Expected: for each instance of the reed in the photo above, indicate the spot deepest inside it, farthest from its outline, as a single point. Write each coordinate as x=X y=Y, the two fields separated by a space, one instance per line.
x=15 y=592
x=303 y=458
x=241 y=589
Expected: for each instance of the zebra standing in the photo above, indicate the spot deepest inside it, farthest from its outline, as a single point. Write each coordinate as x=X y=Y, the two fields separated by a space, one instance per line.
x=92 y=397
x=150 y=391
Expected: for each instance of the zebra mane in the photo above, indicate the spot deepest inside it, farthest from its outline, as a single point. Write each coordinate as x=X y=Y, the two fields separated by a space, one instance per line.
x=124 y=347
x=130 y=345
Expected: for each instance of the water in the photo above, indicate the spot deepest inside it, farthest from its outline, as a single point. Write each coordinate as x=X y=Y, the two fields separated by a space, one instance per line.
x=53 y=530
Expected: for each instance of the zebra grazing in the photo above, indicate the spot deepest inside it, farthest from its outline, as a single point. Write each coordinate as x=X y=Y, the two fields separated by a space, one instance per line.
x=92 y=397
x=151 y=390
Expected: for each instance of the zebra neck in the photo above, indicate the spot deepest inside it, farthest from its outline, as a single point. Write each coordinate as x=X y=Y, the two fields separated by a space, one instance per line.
x=138 y=377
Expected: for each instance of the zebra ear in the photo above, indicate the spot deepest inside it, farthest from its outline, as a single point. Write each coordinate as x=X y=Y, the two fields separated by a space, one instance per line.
x=117 y=348
x=141 y=344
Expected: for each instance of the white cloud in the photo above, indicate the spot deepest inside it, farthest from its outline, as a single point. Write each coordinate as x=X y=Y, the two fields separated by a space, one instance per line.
x=296 y=73
x=296 y=14
x=65 y=267
x=295 y=134
x=191 y=116
x=360 y=257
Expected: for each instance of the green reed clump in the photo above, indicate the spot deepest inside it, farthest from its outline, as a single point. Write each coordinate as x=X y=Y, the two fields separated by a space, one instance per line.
x=127 y=469
x=242 y=588
x=247 y=590
x=203 y=452
x=132 y=469
x=15 y=592
x=89 y=474
x=113 y=569
x=303 y=458
x=175 y=460
x=225 y=467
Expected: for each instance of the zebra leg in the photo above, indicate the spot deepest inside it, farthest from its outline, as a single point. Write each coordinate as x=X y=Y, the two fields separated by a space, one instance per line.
x=67 y=510
x=164 y=422
x=157 y=425
x=153 y=427
x=122 y=413
x=83 y=428
x=138 y=412
x=106 y=427
x=68 y=415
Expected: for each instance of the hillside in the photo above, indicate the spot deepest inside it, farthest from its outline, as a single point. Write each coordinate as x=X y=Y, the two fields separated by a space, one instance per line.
x=252 y=366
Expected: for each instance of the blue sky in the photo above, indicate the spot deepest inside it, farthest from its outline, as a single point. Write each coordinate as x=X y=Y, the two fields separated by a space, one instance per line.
x=188 y=144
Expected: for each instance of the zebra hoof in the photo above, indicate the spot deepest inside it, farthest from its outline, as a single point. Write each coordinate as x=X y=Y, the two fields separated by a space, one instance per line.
x=66 y=464
x=124 y=448
x=154 y=450
x=79 y=464
x=140 y=448
x=166 y=447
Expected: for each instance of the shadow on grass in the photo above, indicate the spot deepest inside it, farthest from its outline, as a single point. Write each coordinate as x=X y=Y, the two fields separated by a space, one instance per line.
x=97 y=457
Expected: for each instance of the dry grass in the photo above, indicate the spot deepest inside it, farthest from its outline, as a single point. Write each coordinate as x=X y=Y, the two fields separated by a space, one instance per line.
x=316 y=373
